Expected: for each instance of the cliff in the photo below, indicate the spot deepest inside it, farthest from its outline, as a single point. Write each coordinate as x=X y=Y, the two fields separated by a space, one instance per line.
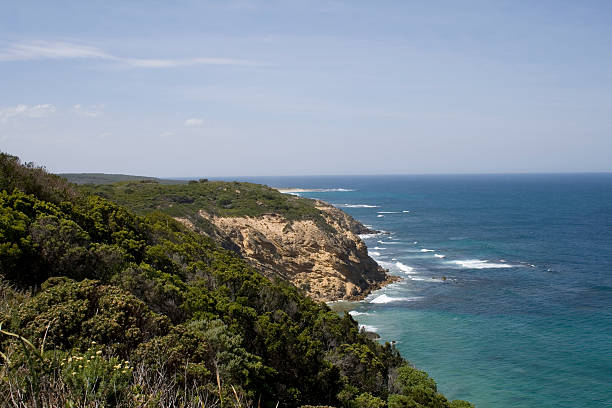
x=328 y=261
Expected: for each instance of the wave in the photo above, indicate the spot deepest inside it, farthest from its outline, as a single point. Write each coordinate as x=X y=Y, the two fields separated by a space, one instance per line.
x=404 y=268
x=427 y=250
x=426 y=279
x=358 y=206
x=480 y=264
x=356 y=313
x=388 y=243
x=367 y=328
x=380 y=215
x=382 y=299
x=439 y=256
x=388 y=212
x=406 y=211
x=368 y=236
x=379 y=248
x=385 y=264
x=373 y=253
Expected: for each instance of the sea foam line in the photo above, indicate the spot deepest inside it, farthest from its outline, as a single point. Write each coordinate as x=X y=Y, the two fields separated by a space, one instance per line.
x=481 y=264
x=382 y=299
x=356 y=313
x=358 y=206
x=404 y=268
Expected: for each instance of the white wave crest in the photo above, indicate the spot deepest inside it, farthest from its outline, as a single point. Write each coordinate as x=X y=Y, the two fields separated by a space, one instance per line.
x=356 y=313
x=439 y=256
x=404 y=268
x=426 y=279
x=481 y=264
x=373 y=253
x=406 y=211
x=379 y=248
x=368 y=236
x=384 y=264
x=358 y=206
x=388 y=299
x=367 y=328
x=388 y=212
x=427 y=250
x=380 y=216
x=388 y=243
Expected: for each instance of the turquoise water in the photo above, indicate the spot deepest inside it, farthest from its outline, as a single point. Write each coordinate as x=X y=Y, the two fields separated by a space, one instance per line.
x=507 y=292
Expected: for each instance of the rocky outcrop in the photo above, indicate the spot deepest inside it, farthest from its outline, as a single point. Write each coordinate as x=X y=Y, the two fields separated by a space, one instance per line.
x=327 y=260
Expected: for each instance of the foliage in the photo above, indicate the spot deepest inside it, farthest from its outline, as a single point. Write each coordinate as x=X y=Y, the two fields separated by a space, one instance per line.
x=196 y=321
x=226 y=199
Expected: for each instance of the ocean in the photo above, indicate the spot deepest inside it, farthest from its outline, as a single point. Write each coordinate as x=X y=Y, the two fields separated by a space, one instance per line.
x=506 y=297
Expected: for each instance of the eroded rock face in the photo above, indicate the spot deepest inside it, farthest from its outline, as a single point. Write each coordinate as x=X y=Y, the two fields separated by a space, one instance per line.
x=329 y=262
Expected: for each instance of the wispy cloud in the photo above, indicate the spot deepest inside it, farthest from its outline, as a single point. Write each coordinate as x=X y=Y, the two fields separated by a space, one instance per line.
x=192 y=122
x=91 y=112
x=34 y=111
x=41 y=50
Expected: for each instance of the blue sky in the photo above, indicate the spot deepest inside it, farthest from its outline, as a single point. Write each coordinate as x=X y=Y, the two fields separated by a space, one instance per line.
x=227 y=88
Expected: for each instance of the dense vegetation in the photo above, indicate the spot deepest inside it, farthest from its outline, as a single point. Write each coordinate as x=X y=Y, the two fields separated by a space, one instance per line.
x=103 y=307
x=226 y=199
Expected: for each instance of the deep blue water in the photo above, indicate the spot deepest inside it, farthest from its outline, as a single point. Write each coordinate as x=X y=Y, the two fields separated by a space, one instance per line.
x=518 y=311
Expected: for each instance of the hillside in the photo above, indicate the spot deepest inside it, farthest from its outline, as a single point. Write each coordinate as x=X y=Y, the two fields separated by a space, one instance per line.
x=307 y=242
x=103 y=307
x=104 y=178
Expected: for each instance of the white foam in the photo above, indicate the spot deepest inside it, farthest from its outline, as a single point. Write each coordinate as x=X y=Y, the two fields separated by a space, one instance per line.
x=404 y=268
x=373 y=253
x=379 y=248
x=367 y=328
x=388 y=212
x=426 y=279
x=480 y=264
x=380 y=216
x=427 y=250
x=356 y=313
x=415 y=242
x=358 y=206
x=368 y=236
x=386 y=265
x=388 y=243
x=388 y=299
x=439 y=256
x=406 y=211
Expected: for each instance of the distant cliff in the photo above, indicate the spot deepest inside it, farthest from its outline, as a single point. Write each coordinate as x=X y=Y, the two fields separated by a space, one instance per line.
x=307 y=242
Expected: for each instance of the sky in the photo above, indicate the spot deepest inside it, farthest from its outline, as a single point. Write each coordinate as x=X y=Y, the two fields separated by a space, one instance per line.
x=255 y=88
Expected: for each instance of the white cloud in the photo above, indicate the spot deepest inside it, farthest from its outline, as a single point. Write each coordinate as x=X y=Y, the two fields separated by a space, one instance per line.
x=49 y=50
x=41 y=50
x=91 y=112
x=192 y=122
x=34 y=111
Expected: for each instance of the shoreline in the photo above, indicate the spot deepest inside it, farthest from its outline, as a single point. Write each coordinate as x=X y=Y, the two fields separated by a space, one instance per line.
x=389 y=279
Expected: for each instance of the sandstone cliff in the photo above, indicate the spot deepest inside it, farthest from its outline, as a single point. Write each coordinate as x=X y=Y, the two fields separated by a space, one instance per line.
x=327 y=260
